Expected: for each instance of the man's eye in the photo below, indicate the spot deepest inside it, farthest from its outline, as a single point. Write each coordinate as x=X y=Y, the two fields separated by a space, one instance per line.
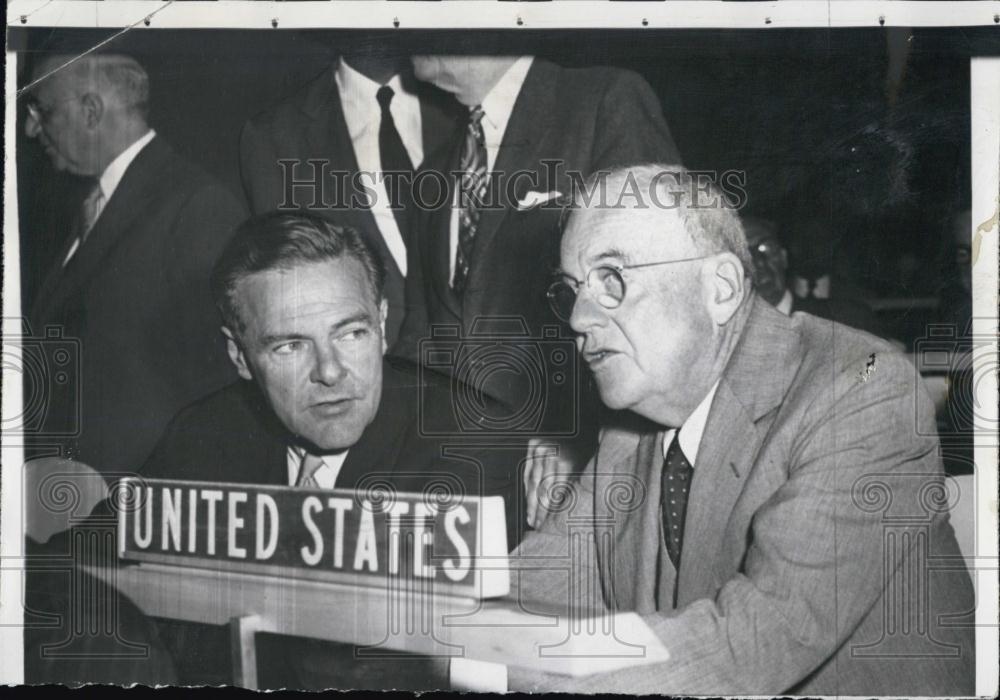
x=289 y=348
x=355 y=334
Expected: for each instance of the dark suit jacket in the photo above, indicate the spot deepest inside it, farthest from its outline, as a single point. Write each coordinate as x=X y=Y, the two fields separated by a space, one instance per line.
x=584 y=120
x=232 y=436
x=817 y=558
x=311 y=125
x=135 y=308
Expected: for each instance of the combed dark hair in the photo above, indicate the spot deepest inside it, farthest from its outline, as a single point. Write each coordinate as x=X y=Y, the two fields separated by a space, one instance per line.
x=280 y=241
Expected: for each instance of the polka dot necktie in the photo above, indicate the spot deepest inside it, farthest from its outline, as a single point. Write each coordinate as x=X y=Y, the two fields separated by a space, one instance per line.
x=475 y=178
x=677 y=473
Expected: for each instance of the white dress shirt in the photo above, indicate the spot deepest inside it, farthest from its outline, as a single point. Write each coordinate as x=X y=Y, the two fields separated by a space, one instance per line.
x=325 y=476
x=497 y=108
x=692 y=430
x=785 y=305
x=110 y=179
x=364 y=117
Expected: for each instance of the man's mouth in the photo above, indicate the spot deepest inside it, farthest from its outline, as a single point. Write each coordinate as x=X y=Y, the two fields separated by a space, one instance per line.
x=332 y=407
x=595 y=358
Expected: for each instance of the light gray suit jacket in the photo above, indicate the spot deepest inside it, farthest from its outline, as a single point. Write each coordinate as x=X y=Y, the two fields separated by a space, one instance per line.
x=817 y=555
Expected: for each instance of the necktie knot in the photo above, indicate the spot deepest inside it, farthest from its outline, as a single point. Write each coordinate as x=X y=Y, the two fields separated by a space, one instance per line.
x=476 y=121
x=384 y=97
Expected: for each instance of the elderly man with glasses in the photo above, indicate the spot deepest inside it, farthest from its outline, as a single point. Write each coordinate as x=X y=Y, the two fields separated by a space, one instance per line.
x=738 y=501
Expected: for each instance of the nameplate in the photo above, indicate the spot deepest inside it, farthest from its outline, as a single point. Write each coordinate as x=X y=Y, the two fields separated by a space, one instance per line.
x=455 y=546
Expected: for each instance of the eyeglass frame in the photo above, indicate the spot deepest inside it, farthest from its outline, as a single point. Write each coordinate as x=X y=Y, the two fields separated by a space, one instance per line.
x=41 y=113
x=617 y=269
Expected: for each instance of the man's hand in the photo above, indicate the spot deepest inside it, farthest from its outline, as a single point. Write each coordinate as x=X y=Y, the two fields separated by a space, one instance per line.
x=544 y=461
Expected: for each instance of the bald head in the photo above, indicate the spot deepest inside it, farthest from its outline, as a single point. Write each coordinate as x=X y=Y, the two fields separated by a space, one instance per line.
x=86 y=111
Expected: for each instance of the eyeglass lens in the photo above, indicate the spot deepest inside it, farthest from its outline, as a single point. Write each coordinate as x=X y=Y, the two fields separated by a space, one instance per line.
x=605 y=283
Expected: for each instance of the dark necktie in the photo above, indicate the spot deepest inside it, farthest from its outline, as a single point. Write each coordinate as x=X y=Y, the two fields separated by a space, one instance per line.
x=677 y=473
x=394 y=159
x=475 y=178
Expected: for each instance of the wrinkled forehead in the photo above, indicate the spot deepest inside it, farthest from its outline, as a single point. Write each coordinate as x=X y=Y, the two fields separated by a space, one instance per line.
x=625 y=235
x=338 y=286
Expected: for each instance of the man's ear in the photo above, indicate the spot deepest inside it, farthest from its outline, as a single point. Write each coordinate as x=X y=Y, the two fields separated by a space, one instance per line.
x=93 y=109
x=383 y=314
x=236 y=354
x=726 y=287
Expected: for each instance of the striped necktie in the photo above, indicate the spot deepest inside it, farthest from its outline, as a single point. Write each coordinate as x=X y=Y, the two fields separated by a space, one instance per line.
x=475 y=178
x=307 y=471
x=90 y=210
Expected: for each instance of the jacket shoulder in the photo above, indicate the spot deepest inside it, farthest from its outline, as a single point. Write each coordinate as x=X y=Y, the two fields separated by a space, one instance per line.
x=208 y=438
x=292 y=109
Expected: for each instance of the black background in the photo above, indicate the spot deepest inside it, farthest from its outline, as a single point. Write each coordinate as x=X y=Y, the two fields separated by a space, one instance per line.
x=865 y=131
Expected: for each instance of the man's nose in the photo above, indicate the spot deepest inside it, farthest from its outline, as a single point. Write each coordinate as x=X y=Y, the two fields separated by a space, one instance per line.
x=586 y=313
x=328 y=369
x=32 y=127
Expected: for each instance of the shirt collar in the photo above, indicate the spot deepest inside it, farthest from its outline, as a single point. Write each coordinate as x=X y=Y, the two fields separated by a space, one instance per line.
x=115 y=171
x=693 y=428
x=785 y=304
x=296 y=454
x=358 y=97
x=499 y=102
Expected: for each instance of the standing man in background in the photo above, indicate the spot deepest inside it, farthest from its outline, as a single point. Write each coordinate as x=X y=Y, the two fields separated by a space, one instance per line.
x=327 y=147
x=131 y=282
x=482 y=263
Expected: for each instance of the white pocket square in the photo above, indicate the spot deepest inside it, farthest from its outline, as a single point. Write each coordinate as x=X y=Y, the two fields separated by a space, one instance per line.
x=533 y=199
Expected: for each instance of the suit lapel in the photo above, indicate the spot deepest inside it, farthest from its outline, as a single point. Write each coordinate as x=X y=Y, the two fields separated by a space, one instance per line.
x=126 y=204
x=753 y=385
x=437 y=251
x=627 y=496
x=327 y=135
x=530 y=119
x=440 y=117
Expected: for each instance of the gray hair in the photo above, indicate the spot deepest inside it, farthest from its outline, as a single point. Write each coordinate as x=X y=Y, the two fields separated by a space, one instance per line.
x=118 y=74
x=712 y=224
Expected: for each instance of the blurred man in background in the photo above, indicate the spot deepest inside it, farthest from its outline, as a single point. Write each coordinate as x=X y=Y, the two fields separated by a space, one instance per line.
x=131 y=280
x=364 y=117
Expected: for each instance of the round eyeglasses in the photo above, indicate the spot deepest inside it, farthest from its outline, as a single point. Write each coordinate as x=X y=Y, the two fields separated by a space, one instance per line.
x=605 y=283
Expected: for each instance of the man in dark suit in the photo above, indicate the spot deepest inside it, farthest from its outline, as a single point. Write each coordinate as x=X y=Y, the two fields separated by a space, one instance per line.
x=770 y=279
x=304 y=311
x=486 y=246
x=131 y=282
x=766 y=509
x=328 y=147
